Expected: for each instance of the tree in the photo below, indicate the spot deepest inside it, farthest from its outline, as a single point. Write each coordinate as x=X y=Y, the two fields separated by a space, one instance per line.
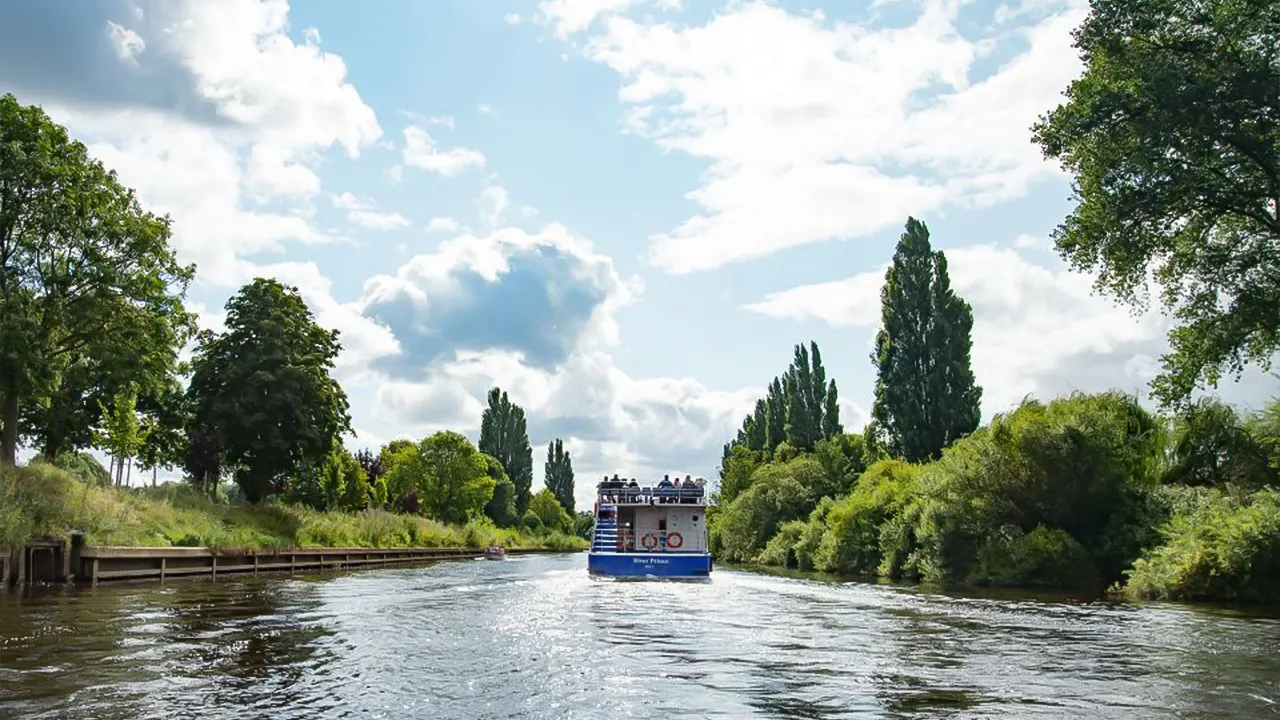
x=263 y=388
x=451 y=478
x=85 y=272
x=164 y=422
x=926 y=396
x=1211 y=446
x=1173 y=136
x=121 y=435
x=375 y=472
x=504 y=435
x=501 y=508
x=799 y=408
x=559 y=474
x=550 y=513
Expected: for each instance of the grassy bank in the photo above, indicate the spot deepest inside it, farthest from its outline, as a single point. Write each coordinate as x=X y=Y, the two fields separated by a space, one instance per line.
x=44 y=501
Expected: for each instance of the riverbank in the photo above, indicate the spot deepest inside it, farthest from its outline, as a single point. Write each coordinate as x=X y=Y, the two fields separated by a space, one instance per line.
x=41 y=501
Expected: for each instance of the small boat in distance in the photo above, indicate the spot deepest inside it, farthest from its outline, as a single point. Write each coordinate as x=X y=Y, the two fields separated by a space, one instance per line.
x=495 y=552
x=653 y=532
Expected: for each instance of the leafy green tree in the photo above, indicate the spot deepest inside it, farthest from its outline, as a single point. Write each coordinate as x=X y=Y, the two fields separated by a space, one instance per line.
x=449 y=476
x=164 y=423
x=550 y=513
x=584 y=525
x=926 y=396
x=505 y=435
x=1212 y=447
x=121 y=434
x=1265 y=428
x=501 y=508
x=799 y=408
x=263 y=388
x=375 y=473
x=736 y=469
x=1173 y=136
x=85 y=272
x=558 y=472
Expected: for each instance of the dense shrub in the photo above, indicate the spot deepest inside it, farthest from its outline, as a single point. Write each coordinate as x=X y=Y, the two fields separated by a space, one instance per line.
x=1216 y=546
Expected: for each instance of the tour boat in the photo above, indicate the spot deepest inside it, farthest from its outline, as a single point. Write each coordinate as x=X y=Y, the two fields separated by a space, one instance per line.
x=495 y=552
x=657 y=532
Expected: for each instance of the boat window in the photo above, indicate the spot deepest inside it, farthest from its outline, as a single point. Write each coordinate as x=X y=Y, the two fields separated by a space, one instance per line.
x=662 y=524
x=695 y=518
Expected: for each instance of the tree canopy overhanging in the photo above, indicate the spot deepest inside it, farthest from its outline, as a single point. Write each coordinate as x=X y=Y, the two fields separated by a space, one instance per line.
x=1172 y=135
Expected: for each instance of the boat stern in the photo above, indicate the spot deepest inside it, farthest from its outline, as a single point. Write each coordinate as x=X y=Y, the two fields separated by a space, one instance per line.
x=656 y=565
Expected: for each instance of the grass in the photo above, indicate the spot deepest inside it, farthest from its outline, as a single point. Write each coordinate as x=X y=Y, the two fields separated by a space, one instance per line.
x=41 y=501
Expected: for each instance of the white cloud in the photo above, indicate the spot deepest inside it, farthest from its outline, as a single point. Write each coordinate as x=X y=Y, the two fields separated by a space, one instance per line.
x=817 y=130
x=572 y=16
x=127 y=43
x=362 y=213
x=421 y=151
x=1037 y=328
x=442 y=224
x=511 y=18
x=484 y=109
x=371 y=220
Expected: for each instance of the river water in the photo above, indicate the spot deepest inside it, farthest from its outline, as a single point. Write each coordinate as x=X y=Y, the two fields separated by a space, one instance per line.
x=533 y=637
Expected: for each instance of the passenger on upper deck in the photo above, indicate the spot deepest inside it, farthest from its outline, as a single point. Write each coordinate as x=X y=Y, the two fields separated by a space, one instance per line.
x=665 y=482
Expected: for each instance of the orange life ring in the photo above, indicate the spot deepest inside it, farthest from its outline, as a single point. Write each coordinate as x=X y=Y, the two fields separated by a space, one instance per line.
x=674 y=540
x=650 y=541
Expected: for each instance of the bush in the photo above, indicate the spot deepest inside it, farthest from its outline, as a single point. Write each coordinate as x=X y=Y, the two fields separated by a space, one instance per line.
x=778 y=493
x=1084 y=465
x=1216 y=546
x=852 y=542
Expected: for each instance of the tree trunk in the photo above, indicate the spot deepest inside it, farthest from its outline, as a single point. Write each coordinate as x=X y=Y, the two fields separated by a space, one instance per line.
x=9 y=425
x=154 y=470
x=128 y=478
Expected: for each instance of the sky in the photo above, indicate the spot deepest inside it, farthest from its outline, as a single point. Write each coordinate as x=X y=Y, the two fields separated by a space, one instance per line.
x=625 y=213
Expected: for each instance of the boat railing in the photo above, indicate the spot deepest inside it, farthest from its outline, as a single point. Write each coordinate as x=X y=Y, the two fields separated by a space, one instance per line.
x=651 y=495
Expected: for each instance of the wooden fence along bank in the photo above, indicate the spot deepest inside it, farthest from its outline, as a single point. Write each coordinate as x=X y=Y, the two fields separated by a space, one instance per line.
x=73 y=562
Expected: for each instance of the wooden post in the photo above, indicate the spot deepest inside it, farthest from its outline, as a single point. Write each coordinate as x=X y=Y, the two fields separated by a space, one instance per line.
x=255 y=564
x=163 y=566
x=93 y=573
x=213 y=565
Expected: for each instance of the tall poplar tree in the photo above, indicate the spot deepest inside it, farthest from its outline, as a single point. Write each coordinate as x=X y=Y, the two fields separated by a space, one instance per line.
x=926 y=396
x=504 y=434
x=558 y=474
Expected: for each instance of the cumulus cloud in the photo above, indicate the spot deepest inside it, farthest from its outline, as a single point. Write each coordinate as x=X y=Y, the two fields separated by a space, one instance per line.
x=1038 y=327
x=540 y=295
x=422 y=151
x=817 y=130
x=221 y=109
x=442 y=224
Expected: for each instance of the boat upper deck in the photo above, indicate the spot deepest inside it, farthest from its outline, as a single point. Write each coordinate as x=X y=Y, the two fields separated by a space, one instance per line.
x=667 y=492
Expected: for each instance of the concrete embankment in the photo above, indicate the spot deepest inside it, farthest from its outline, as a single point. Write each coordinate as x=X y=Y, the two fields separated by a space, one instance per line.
x=73 y=562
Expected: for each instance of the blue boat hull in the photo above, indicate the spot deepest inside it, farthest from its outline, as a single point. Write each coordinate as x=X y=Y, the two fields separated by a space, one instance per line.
x=641 y=564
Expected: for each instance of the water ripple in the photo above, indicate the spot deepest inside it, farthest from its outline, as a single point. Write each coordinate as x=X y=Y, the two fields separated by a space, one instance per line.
x=536 y=638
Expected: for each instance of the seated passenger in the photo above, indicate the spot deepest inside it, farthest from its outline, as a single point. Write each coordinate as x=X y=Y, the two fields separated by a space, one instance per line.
x=665 y=482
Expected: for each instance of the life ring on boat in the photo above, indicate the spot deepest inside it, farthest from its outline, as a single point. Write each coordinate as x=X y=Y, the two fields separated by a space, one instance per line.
x=650 y=541
x=674 y=540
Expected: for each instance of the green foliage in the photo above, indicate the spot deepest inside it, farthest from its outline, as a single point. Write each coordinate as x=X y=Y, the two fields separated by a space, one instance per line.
x=41 y=500
x=550 y=513
x=1173 y=136
x=1082 y=464
x=1216 y=547
x=505 y=436
x=852 y=542
x=778 y=492
x=739 y=464
x=1043 y=557
x=926 y=396
x=558 y=474
x=90 y=289
x=450 y=478
x=81 y=465
x=501 y=508
x=262 y=390
x=1211 y=446
x=584 y=524
x=122 y=434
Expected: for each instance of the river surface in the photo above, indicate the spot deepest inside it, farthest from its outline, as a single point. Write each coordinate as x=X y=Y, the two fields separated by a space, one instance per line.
x=533 y=637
